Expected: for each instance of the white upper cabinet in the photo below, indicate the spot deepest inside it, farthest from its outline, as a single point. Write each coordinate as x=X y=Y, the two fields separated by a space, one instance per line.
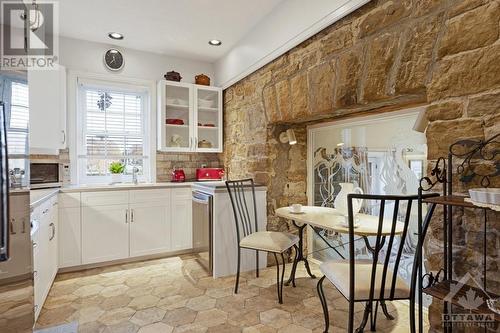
x=47 y=108
x=189 y=117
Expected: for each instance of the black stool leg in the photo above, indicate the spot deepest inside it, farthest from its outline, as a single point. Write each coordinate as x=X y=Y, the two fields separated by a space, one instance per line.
x=385 y=311
x=322 y=298
x=238 y=272
x=294 y=267
x=257 y=263
x=367 y=312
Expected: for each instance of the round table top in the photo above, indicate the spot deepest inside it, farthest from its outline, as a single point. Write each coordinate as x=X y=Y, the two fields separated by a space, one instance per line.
x=330 y=219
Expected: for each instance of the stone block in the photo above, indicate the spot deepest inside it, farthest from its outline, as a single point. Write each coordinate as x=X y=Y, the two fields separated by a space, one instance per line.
x=444 y=111
x=321 y=88
x=299 y=96
x=270 y=104
x=476 y=28
x=441 y=134
x=337 y=40
x=462 y=6
x=416 y=56
x=382 y=16
x=424 y=7
x=488 y=104
x=468 y=73
x=284 y=100
x=349 y=67
x=380 y=59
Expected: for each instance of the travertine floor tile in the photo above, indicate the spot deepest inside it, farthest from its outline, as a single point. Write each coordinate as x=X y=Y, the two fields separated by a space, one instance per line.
x=174 y=295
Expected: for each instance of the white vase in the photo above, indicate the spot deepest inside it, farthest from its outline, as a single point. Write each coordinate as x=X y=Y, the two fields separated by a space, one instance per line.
x=116 y=178
x=340 y=201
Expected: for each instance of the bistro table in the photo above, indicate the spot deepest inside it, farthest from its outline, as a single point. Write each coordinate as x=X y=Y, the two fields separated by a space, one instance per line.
x=330 y=219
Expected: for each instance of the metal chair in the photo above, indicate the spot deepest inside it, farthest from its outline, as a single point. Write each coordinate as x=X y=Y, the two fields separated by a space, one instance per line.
x=248 y=235
x=372 y=281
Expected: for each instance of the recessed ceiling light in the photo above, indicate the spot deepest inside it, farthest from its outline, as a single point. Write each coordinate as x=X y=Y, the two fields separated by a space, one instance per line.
x=115 y=35
x=215 y=42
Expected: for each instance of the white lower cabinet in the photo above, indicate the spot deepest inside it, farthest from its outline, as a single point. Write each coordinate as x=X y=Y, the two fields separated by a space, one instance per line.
x=105 y=233
x=182 y=226
x=149 y=228
x=70 y=237
x=45 y=250
x=110 y=225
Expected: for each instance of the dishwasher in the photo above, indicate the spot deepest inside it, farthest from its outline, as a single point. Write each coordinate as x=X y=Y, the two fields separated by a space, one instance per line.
x=203 y=228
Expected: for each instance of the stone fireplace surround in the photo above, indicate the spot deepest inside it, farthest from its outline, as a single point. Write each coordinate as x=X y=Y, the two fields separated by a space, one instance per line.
x=387 y=55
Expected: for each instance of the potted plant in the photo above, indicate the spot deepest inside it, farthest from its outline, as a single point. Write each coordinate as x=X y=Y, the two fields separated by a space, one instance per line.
x=116 y=169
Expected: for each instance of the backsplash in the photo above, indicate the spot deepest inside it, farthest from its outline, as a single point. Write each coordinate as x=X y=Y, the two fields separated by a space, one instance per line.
x=166 y=162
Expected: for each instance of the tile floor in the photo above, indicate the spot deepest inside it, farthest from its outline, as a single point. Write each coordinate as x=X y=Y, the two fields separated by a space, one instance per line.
x=176 y=295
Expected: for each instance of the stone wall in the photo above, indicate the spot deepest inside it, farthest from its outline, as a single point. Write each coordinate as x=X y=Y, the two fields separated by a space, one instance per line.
x=385 y=56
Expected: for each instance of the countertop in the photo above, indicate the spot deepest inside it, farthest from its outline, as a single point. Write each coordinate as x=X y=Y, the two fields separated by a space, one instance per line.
x=40 y=195
x=37 y=196
x=220 y=186
x=118 y=187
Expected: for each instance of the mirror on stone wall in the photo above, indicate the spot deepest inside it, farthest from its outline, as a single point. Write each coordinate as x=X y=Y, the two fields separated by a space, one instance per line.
x=380 y=154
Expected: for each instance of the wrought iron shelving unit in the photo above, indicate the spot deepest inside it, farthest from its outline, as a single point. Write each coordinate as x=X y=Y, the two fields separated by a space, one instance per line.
x=469 y=154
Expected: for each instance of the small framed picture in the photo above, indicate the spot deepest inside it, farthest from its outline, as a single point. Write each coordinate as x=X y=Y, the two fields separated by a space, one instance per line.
x=417 y=166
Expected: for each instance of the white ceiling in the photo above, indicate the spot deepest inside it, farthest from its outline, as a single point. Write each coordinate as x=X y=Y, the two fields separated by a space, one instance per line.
x=173 y=27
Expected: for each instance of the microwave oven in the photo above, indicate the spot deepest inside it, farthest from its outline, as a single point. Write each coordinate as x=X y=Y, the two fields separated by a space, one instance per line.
x=49 y=174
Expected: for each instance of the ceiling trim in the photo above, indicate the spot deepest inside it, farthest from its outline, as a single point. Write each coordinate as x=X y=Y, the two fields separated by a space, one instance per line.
x=308 y=32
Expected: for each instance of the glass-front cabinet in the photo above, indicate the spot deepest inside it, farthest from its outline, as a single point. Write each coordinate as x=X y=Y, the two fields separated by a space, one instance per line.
x=189 y=117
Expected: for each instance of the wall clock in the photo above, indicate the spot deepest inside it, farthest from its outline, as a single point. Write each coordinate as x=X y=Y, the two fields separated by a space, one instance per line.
x=113 y=59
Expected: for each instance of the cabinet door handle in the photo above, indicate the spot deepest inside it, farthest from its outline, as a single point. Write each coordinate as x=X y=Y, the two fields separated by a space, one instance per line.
x=131 y=215
x=64 y=136
x=11 y=223
x=126 y=216
x=24 y=226
x=45 y=211
x=53 y=231
x=35 y=245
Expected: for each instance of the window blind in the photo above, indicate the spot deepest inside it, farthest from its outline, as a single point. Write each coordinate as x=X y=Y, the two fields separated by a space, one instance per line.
x=17 y=132
x=113 y=129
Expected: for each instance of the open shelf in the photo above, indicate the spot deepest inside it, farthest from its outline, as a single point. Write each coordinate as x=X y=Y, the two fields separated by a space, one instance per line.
x=178 y=106
x=452 y=200
x=176 y=126
x=208 y=109
x=208 y=127
x=442 y=289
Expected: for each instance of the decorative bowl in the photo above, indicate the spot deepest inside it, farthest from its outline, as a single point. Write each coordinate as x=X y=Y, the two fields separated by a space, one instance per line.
x=485 y=195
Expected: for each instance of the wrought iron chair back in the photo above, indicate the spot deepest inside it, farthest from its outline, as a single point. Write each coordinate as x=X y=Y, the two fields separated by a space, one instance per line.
x=246 y=224
x=386 y=285
x=388 y=275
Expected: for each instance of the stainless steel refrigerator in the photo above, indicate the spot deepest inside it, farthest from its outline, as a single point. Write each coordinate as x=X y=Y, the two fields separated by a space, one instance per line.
x=16 y=248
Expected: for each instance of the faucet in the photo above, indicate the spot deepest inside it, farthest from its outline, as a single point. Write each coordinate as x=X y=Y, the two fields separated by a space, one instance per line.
x=135 y=170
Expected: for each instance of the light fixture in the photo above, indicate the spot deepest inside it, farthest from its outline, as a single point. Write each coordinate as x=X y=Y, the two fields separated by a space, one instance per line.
x=115 y=35
x=340 y=144
x=215 y=42
x=421 y=122
x=288 y=136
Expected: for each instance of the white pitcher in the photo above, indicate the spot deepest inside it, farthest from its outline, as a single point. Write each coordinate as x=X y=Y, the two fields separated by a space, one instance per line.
x=340 y=201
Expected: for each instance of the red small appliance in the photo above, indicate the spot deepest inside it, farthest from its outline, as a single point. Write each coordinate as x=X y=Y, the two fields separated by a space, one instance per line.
x=178 y=175
x=209 y=174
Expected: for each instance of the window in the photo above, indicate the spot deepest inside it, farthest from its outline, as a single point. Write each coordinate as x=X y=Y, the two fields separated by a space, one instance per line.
x=16 y=98
x=112 y=123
